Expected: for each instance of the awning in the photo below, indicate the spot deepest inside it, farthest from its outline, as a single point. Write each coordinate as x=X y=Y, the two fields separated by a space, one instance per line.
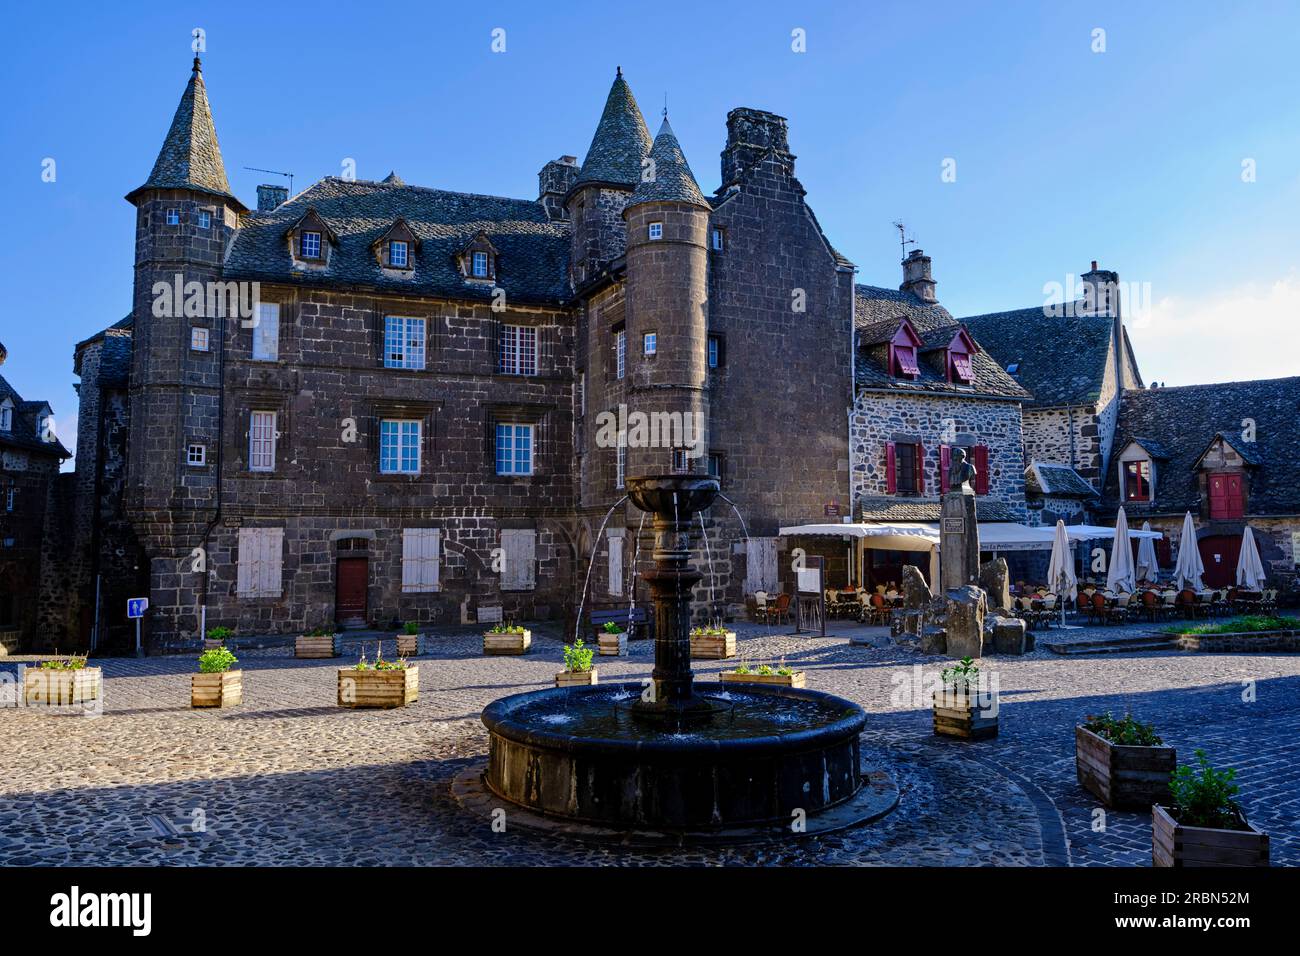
x=924 y=535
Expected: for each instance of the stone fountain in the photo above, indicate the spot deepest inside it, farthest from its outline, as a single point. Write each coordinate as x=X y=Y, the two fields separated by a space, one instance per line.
x=671 y=755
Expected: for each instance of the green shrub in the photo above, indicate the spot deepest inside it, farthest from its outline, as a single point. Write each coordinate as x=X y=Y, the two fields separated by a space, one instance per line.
x=380 y=664
x=612 y=628
x=964 y=673
x=1129 y=732
x=708 y=632
x=220 y=633
x=742 y=668
x=764 y=670
x=577 y=659
x=785 y=670
x=218 y=660
x=321 y=632
x=1251 y=623
x=411 y=627
x=64 y=664
x=1205 y=799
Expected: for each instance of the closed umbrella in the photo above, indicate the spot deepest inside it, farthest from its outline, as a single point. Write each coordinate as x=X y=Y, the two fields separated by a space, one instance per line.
x=1250 y=569
x=1188 y=570
x=1148 y=565
x=1120 y=577
x=1060 y=569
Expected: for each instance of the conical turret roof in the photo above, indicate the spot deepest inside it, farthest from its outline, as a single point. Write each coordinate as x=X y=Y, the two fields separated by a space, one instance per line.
x=672 y=178
x=190 y=157
x=620 y=143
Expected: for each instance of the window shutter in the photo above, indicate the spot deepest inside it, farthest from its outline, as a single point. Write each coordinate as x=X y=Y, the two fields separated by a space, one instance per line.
x=432 y=555
x=245 y=575
x=945 y=463
x=981 y=455
x=272 y=548
x=920 y=468
x=891 y=481
x=520 y=548
x=420 y=552
x=615 y=564
x=410 y=558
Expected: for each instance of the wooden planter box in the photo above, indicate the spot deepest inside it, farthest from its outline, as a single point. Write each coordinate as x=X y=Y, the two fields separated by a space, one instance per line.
x=612 y=645
x=710 y=647
x=412 y=645
x=575 y=678
x=507 y=643
x=962 y=713
x=394 y=688
x=331 y=645
x=796 y=679
x=1121 y=775
x=47 y=688
x=217 y=690
x=1173 y=844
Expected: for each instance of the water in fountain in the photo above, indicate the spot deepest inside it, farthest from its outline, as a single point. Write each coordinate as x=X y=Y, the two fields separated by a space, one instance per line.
x=595 y=549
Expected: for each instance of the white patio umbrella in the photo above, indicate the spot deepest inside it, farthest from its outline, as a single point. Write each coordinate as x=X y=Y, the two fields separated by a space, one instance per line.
x=1120 y=576
x=1060 y=569
x=1189 y=568
x=1147 y=564
x=1250 y=569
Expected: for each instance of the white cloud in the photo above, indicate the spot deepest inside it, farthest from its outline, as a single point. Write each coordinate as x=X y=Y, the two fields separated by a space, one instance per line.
x=1237 y=334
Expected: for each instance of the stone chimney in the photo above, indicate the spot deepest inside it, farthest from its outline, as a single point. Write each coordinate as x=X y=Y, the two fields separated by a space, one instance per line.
x=1100 y=292
x=553 y=182
x=271 y=197
x=916 y=276
x=750 y=134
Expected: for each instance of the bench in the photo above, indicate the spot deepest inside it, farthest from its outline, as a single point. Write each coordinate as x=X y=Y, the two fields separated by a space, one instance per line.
x=636 y=621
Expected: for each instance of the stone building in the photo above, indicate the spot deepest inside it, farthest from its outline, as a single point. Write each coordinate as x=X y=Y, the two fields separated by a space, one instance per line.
x=33 y=503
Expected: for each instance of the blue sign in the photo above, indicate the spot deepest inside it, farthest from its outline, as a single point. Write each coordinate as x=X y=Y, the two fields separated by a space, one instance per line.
x=135 y=607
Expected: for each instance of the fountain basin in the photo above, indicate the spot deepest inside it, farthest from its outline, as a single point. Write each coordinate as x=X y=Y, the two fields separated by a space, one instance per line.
x=575 y=753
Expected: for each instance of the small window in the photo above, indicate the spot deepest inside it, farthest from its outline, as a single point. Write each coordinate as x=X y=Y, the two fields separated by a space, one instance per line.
x=514 y=451
x=517 y=350
x=205 y=219
x=716 y=240
x=173 y=217
x=261 y=441
x=961 y=369
x=266 y=336
x=905 y=465
x=479 y=265
x=310 y=245
x=715 y=465
x=715 y=352
x=397 y=254
x=620 y=461
x=656 y=230
x=196 y=455
x=681 y=462
x=403 y=342
x=199 y=339
x=399 y=447
x=10 y=496
x=1013 y=368
x=905 y=361
x=6 y=417
x=620 y=352
x=1137 y=480
x=651 y=342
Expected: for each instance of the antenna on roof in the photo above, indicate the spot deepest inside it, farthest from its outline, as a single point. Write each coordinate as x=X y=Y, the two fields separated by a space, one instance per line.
x=665 y=104
x=274 y=172
x=902 y=236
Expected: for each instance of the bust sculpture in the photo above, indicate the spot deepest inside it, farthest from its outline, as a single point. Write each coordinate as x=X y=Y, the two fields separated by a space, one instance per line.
x=961 y=473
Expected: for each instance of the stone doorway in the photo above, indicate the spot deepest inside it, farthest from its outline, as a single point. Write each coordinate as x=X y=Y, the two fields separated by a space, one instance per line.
x=1219 y=554
x=352 y=580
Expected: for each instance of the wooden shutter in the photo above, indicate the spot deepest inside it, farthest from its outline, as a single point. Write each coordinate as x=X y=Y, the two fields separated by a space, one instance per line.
x=920 y=468
x=891 y=478
x=520 y=547
x=945 y=463
x=616 y=563
x=246 y=575
x=981 y=455
x=272 y=548
x=420 y=552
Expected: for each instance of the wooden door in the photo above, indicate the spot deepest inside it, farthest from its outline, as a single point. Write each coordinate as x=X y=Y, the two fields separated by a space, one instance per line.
x=1226 y=499
x=350 y=595
x=1219 y=554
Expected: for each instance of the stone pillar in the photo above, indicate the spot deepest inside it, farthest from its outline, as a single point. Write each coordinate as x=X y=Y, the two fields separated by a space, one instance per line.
x=959 y=540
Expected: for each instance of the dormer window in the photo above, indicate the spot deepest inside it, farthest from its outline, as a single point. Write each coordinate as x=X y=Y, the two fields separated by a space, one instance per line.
x=479 y=260
x=905 y=360
x=1137 y=480
x=904 y=344
x=479 y=266
x=957 y=356
x=397 y=254
x=397 y=248
x=310 y=240
x=6 y=416
x=45 y=427
x=310 y=245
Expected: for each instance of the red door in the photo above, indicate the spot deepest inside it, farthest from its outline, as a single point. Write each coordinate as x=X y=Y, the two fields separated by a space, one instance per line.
x=350 y=596
x=1226 y=499
x=1219 y=554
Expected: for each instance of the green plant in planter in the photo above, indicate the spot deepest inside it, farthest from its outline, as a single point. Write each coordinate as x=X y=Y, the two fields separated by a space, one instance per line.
x=1250 y=623
x=577 y=659
x=1204 y=799
x=64 y=664
x=785 y=670
x=612 y=628
x=411 y=628
x=1129 y=732
x=220 y=633
x=765 y=670
x=218 y=660
x=708 y=631
x=965 y=673
x=380 y=664
x=742 y=668
x=320 y=632
x=506 y=629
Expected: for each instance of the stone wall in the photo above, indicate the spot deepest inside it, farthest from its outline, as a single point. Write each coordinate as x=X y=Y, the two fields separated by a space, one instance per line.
x=1066 y=436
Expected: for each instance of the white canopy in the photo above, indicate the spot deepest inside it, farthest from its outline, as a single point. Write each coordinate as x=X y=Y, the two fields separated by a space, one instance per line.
x=1147 y=564
x=1189 y=567
x=1060 y=569
x=1120 y=576
x=1250 y=568
x=924 y=535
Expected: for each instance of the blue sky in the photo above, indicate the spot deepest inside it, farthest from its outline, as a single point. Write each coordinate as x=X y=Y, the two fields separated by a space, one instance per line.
x=1132 y=156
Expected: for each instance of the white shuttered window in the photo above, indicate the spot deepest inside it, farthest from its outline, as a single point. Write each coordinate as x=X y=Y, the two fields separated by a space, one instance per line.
x=518 y=573
x=616 y=561
x=260 y=552
x=420 y=551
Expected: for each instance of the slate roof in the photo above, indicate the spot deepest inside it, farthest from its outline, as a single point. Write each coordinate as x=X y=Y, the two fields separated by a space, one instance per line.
x=190 y=157
x=1062 y=359
x=876 y=314
x=1185 y=420
x=1060 y=481
x=884 y=508
x=115 y=357
x=673 y=180
x=532 y=264
x=24 y=433
x=621 y=141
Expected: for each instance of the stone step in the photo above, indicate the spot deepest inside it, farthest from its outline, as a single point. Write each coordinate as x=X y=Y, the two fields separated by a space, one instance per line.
x=1112 y=645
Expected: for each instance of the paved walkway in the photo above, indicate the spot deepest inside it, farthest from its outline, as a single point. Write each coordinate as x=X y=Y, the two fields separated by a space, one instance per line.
x=289 y=778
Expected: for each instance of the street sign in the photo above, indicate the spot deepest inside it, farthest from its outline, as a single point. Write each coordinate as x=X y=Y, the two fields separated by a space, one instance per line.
x=135 y=607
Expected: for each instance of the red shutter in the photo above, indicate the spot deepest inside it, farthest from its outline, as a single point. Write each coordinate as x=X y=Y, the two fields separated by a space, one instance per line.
x=981 y=463
x=891 y=480
x=920 y=469
x=945 y=462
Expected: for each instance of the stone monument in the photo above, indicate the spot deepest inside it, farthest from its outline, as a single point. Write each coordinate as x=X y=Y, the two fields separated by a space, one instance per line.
x=959 y=537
